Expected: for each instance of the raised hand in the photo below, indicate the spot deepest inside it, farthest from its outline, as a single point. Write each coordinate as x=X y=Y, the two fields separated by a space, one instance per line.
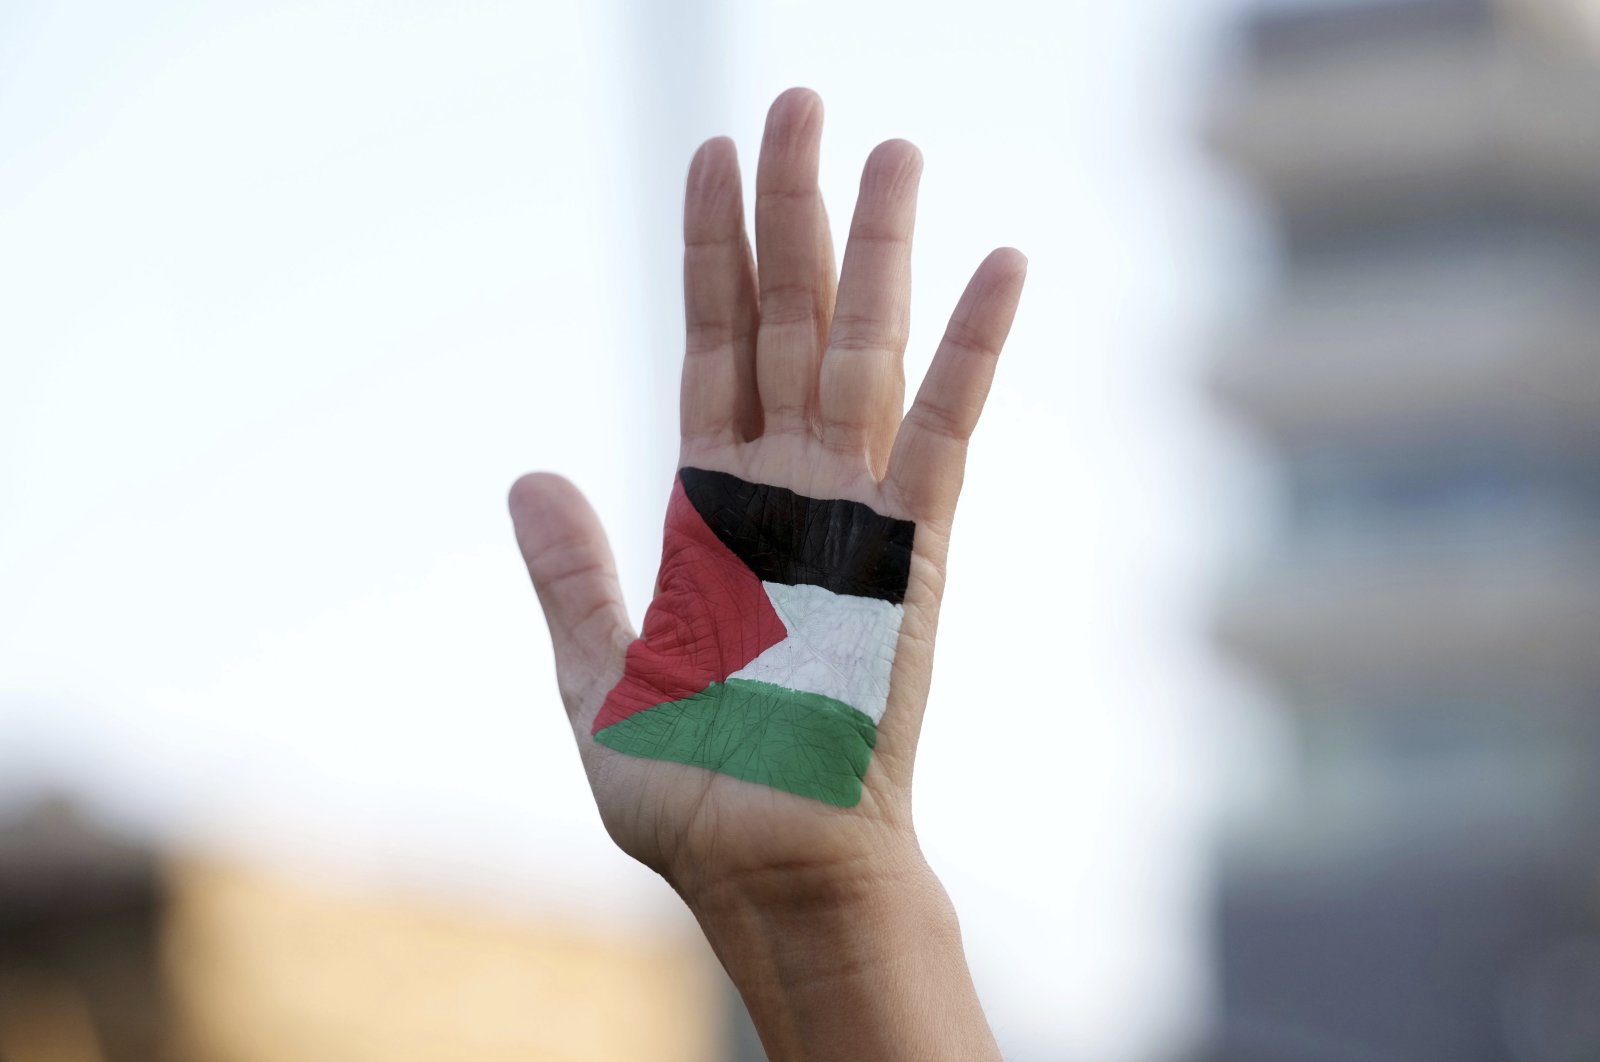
x=755 y=745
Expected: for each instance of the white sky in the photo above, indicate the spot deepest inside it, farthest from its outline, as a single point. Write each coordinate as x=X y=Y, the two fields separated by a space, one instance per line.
x=288 y=297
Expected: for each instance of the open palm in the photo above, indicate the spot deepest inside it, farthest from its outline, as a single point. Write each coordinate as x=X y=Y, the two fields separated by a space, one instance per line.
x=794 y=379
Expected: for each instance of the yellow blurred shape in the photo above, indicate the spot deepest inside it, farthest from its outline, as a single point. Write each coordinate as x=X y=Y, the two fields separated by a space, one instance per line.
x=267 y=967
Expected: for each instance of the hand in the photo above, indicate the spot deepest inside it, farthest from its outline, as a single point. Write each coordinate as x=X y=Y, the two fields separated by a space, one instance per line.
x=790 y=381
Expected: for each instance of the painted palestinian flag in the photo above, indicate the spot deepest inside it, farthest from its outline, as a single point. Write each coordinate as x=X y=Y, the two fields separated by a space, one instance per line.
x=767 y=651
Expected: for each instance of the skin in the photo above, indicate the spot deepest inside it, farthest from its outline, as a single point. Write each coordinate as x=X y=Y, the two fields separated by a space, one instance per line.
x=839 y=937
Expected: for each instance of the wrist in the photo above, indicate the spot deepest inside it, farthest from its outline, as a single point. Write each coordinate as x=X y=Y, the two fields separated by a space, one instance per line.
x=860 y=961
x=812 y=888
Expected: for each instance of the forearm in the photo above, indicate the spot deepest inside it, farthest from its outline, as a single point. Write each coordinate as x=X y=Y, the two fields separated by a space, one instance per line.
x=865 y=965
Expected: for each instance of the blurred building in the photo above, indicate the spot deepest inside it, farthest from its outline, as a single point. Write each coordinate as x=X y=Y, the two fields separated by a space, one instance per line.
x=112 y=952
x=1426 y=375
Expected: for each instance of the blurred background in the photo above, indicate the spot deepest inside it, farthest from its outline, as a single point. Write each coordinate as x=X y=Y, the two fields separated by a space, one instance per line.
x=1304 y=387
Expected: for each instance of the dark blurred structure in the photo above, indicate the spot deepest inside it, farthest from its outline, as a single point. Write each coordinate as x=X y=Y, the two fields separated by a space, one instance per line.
x=80 y=911
x=1427 y=376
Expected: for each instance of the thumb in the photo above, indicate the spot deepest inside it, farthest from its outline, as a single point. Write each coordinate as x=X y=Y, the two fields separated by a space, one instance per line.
x=570 y=562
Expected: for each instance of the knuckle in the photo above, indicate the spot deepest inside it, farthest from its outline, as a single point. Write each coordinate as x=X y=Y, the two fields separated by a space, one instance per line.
x=940 y=421
x=862 y=342
x=965 y=339
x=864 y=234
x=785 y=195
x=785 y=312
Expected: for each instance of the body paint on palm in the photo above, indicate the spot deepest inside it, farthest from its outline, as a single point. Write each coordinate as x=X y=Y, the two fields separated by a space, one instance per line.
x=767 y=651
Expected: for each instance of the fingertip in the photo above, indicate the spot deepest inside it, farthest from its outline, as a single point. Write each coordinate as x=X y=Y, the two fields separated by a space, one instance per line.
x=896 y=163
x=997 y=282
x=713 y=154
x=797 y=108
x=535 y=493
x=898 y=150
x=1007 y=261
x=713 y=186
x=799 y=98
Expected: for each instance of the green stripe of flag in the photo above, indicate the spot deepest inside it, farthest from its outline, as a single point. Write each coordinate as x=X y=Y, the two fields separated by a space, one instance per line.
x=799 y=742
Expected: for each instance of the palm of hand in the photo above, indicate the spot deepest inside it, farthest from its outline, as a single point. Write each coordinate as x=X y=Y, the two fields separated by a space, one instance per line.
x=792 y=381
